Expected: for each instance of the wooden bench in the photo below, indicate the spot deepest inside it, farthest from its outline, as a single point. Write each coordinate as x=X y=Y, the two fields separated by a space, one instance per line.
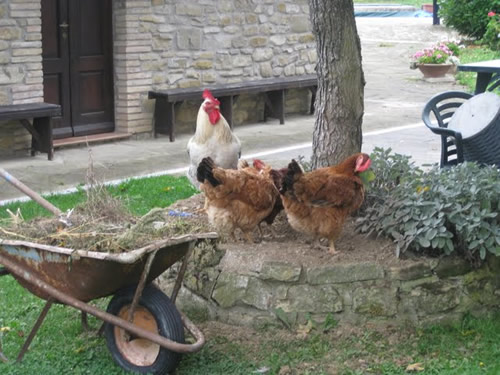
x=41 y=129
x=273 y=88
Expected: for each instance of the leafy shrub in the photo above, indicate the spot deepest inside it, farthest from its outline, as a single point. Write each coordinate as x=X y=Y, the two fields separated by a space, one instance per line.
x=435 y=211
x=467 y=17
x=492 y=36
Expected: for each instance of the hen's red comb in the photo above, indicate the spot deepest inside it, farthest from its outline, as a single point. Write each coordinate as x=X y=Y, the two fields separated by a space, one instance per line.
x=208 y=95
x=258 y=164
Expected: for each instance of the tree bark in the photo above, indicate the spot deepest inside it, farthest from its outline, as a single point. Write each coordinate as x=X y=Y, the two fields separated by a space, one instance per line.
x=339 y=101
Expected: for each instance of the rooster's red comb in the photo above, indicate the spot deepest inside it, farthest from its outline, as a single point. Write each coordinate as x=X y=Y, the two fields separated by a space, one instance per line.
x=208 y=95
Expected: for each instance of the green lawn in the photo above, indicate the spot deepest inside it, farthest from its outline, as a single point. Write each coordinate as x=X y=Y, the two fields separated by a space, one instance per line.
x=139 y=195
x=471 y=347
x=61 y=347
x=474 y=54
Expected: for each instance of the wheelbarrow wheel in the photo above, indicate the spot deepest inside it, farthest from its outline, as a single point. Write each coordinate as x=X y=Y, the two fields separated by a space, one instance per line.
x=155 y=312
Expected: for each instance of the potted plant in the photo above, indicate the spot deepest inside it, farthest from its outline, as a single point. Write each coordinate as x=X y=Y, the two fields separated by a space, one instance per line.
x=436 y=61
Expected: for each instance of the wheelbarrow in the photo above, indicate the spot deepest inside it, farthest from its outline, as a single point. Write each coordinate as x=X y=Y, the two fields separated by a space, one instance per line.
x=144 y=330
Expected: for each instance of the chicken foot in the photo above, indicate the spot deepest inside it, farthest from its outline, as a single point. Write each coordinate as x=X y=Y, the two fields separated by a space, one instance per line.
x=274 y=234
x=331 y=248
x=316 y=244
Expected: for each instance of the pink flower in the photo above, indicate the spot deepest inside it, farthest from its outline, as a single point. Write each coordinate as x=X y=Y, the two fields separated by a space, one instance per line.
x=491 y=14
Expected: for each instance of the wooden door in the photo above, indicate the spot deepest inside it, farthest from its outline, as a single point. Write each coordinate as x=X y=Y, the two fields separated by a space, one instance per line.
x=77 y=65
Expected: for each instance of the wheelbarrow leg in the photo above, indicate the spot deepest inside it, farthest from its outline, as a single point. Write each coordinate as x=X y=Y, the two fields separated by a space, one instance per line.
x=3 y=358
x=182 y=271
x=85 y=322
x=33 y=332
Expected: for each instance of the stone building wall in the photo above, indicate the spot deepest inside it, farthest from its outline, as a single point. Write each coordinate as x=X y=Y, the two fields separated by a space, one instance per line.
x=165 y=43
x=160 y=44
x=21 y=77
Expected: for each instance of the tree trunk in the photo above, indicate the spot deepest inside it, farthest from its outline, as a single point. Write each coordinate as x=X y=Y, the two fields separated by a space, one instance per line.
x=339 y=101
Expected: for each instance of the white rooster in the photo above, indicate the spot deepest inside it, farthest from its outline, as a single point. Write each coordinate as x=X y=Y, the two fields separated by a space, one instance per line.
x=213 y=138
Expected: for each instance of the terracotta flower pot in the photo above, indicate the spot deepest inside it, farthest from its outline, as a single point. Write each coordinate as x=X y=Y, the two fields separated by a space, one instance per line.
x=434 y=70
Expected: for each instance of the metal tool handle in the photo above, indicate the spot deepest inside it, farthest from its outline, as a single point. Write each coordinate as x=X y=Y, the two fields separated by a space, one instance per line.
x=30 y=193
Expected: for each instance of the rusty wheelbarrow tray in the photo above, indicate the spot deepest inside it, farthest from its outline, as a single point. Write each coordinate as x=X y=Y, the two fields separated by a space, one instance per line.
x=75 y=277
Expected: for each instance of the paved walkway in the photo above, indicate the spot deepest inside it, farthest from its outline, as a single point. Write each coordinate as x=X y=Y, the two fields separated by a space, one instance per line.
x=394 y=98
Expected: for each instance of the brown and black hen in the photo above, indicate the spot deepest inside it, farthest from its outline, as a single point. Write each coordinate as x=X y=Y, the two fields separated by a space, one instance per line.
x=318 y=202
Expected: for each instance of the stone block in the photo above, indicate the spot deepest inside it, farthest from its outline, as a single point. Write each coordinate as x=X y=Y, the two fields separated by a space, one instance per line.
x=251 y=18
x=230 y=289
x=209 y=77
x=278 y=40
x=239 y=42
x=410 y=272
x=10 y=33
x=441 y=297
x=225 y=6
x=452 y=266
x=152 y=18
x=189 y=39
x=225 y=21
x=266 y=70
x=258 y=41
x=4 y=58
x=262 y=54
x=203 y=64
x=407 y=286
x=300 y=24
x=258 y=294
x=186 y=9
x=375 y=302
x=309 y=298
x=343 y=273
x=232 y=29
x=242 y=61
x=280 y=271
x=189 y=83
x=307 y=38
x=289 y=70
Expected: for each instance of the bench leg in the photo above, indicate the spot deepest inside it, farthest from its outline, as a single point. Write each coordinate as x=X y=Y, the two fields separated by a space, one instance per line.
x=164 y=118
x=275 y=105
x=313 y=89
x=41 y=135
x=226 y=108
x=43 y=125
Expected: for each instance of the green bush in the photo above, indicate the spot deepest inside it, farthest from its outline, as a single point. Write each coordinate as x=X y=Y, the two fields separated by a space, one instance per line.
x=492 y=36
x=468 y=17
x=451 y=210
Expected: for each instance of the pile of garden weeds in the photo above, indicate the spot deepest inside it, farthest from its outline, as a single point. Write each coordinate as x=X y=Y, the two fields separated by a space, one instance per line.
x=103 y=223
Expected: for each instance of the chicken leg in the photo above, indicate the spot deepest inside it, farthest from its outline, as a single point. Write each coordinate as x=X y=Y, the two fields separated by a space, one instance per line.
x=331 y=247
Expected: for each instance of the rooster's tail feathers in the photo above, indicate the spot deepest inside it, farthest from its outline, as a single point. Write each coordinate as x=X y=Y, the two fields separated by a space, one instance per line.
x=287 y=183
x=205 y=171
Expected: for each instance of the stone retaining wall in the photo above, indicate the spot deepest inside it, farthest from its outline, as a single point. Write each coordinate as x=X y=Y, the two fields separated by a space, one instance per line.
x=420 y=292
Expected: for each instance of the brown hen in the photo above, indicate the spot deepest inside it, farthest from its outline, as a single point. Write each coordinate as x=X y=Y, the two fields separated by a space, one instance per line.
x=318 y=202
x=235 y=198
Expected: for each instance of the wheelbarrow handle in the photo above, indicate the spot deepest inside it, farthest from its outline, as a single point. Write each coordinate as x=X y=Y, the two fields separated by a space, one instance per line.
x=30 y=193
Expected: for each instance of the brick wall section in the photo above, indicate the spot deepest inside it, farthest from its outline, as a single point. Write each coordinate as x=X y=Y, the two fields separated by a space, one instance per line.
x=132 y=56
x=166 y=43
x=21 y=77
